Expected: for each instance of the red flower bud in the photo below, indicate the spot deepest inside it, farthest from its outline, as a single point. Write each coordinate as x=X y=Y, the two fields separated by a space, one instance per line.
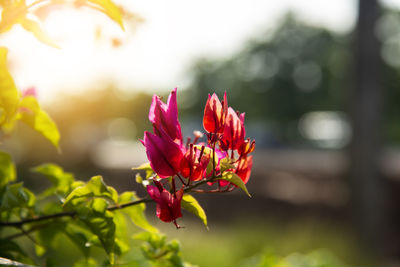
x=234 y=131
x=165 y=117
x=215 y=114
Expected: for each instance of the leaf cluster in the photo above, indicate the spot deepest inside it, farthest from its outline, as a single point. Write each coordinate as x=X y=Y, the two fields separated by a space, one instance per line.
x=15 y=106
x=317 y=258
x=91 y=215
x=19 y=12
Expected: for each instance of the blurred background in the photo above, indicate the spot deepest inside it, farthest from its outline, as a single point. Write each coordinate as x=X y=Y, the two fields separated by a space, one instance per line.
x=319 y=82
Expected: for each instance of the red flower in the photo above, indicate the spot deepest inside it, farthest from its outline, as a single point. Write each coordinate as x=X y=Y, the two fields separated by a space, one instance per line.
x=214 y=114
x=168 y=207
x=194 y=163
x=234 y=131
x=243 y=168
x=165 y=117
x=164 y=154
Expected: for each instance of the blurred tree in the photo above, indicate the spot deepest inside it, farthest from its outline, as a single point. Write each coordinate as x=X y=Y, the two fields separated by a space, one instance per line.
x=279 y=77
x=366 y=113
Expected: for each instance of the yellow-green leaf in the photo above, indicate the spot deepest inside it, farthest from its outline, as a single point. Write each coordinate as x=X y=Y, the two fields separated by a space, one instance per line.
x=9 y=96
x=226 y=163
x=34 y=27
x=234 y=179
x=101 y=223
x=189 y=203
x=11 y=14
x=145 y=167
x=110 y=9
x=61 y=180
x=7 y=169
x=136 y=212
x=94 y=188
x=39 y=120
x=17 y=196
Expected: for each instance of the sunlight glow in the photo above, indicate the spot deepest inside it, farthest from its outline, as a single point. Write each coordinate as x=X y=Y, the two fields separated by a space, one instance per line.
x=155 y=55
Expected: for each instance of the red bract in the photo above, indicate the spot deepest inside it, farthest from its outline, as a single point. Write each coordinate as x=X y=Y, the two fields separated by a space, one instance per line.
x=168 y=205
x=247 y=147
x=194 y=163
x=215 y=114
x=165 y=117
x=234 y=131
x=243 y=168
x=164 y=154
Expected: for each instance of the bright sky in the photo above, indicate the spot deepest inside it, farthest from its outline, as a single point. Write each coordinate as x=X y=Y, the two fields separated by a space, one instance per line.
x=156 y=54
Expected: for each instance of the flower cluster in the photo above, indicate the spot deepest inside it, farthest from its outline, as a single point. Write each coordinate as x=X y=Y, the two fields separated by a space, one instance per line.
x=223 y=160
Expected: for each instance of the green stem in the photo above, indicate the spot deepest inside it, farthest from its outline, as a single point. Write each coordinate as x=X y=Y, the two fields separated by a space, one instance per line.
x=18 y=224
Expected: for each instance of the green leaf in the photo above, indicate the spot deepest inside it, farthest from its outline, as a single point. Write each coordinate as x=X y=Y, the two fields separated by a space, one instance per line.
x=62 y=181
x=121 y=247
x=99 y=205
x=39 y=120
x=189 y=203
x=7 y=169
x=121 y=233
x=101 y=223
x=110 y=9
x=143 y=167
x=16 y=196
x=8 y=248
x=79 y=236
x=94 y=188
x=158 y=251
x=136 y=212
x=34 y=27
x=234 y=179
x=139 y=178
x=31 y=197
x=155 y=240
x=46 y=237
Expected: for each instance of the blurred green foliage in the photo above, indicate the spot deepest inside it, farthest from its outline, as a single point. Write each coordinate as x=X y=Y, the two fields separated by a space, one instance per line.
x=296 y=68
x=272 y=239
x=280 y=76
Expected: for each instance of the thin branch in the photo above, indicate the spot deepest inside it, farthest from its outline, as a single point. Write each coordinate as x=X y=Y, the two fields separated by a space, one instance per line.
x=32 y=229
x=19 y=224
x=28 y=236
x=132 y=203
x=228 y=189
x=180 y=178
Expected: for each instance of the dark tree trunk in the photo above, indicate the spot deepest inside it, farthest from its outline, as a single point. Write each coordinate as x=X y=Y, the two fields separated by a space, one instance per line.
x=366 y=114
